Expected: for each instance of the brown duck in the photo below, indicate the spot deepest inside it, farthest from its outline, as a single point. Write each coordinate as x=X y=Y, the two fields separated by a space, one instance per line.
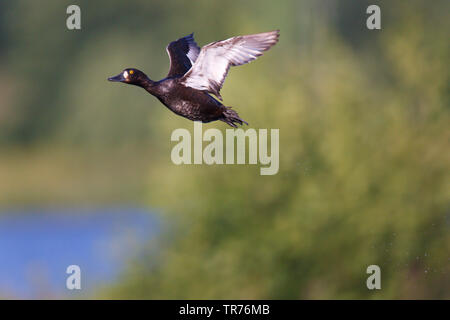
x=196 y=73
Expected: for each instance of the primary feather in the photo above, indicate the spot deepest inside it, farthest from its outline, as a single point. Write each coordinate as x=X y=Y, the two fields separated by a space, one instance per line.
x=215 y=59
x=182 y=53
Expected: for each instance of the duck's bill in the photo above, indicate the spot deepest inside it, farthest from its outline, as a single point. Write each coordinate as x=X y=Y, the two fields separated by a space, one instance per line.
x=118 y=78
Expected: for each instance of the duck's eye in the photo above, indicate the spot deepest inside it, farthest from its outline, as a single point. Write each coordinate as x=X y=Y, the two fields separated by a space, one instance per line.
x=131 y=71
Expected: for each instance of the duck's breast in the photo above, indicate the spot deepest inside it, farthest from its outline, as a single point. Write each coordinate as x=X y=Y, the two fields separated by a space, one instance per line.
x=193 y=104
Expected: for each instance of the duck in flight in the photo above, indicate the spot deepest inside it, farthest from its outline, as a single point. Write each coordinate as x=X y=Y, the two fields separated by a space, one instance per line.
x=197 y=73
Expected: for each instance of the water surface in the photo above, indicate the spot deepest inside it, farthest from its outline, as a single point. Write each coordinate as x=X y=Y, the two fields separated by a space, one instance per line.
x=37 y=246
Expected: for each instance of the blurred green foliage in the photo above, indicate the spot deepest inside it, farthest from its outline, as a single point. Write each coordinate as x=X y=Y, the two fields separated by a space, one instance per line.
x=364 y=143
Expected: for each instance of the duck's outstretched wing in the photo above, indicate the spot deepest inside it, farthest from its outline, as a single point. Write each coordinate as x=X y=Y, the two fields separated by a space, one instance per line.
x=211 y=67
x=182 y=53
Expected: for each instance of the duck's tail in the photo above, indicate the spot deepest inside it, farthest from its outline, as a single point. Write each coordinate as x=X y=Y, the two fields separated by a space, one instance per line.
x=232 y=118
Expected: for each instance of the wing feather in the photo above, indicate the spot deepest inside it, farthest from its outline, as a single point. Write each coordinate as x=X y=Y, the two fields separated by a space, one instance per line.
x=182 y=53
x=209 y=71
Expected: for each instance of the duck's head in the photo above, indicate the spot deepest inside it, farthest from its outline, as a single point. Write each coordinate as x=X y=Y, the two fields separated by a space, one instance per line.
x=131 y=76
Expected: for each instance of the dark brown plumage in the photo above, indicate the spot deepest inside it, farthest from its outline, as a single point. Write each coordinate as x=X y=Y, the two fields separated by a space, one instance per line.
x=195 y=74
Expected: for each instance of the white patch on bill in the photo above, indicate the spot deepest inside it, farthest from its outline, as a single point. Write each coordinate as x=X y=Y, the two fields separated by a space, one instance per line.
x=125 y=74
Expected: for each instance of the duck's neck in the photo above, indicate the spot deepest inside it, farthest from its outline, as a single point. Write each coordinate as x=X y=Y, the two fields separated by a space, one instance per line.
x=148 y=85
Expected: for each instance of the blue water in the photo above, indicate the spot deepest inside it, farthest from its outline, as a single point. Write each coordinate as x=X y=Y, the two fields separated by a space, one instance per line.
x=37 y=246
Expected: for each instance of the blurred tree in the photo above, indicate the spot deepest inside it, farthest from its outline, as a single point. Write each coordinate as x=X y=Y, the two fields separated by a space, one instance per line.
x=363 y=176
